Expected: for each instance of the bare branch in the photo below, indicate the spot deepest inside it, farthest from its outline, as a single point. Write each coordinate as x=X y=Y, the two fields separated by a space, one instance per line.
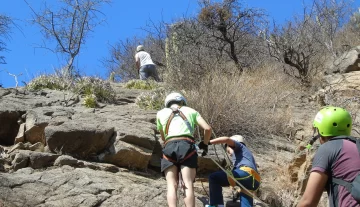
x=69 y=26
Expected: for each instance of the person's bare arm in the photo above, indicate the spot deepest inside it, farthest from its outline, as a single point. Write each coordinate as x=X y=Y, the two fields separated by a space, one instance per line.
x=223 y=140
x=207 y=129
x=314 y=189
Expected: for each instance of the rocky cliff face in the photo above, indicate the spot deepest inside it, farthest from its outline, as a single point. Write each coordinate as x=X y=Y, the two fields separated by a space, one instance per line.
x=56 y=152
x=80 y=151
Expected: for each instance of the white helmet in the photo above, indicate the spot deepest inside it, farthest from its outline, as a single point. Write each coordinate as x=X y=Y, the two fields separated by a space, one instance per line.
x=139 y=48
x=176 y=97
x=238 y=138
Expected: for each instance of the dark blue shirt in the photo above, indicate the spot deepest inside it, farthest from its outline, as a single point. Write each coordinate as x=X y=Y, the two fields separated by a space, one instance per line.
x=242 y=156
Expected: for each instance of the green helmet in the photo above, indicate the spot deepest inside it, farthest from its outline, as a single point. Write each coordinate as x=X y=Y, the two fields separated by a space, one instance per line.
x=333 y=121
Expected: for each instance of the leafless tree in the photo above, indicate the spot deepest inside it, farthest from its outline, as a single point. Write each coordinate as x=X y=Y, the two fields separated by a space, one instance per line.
x=69 y=24
x=330 y=17
x=305 y=42
x=155 y=39
x=350 y=36
x=294 y=44
x=232 y=26
x=190 y=55
x=121 y=59
x=5 y=26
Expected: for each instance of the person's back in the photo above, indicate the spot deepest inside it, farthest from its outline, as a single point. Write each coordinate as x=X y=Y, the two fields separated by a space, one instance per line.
x=181 y=128
x=242 y=156
x=145 y=58
x=340 y=159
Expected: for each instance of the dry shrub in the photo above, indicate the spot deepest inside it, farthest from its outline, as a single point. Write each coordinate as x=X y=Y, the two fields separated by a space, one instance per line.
x=252 y=103
x=285 y=190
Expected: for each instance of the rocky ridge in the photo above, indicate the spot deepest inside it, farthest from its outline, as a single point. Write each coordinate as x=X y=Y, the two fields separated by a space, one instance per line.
x=56 y=152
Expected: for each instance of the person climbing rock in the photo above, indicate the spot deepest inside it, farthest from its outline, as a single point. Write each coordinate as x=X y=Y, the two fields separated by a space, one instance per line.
x=244 y=171
x=145 y=65
x=336 y=163
x=176 y=123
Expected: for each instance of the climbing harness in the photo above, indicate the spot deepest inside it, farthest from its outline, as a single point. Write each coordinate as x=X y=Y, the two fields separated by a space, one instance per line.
x=181 y=114
x=177 y=162
x=243 y=189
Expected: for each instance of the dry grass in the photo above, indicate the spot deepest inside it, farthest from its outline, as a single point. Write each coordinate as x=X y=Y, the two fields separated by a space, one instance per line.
x=253 y=104
x=256 y=104
x=284 y=188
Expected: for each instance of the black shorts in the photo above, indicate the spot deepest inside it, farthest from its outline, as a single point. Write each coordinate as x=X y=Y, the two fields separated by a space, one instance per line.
x=177 y=150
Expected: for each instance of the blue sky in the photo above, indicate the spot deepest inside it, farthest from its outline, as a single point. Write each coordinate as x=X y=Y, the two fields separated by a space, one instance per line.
x=124 y=19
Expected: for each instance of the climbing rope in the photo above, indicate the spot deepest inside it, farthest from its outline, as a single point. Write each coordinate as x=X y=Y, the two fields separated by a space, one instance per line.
x=229 y=166
x=227 y=159
x=248 y=192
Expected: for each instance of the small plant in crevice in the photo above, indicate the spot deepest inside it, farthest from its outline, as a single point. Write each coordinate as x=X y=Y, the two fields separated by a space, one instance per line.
x=96 y=86
x=152 y=100
x=90 y=101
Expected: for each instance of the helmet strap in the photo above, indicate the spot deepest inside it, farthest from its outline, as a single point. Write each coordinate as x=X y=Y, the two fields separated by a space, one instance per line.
x=313 y=138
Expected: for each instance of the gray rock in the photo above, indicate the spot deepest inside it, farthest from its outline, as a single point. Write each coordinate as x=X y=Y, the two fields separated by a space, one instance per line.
x=347 y=62
x=79 y=139
x=81 y=187
x=20 y=137
x=21 y=160
x=129 y=156
x=41 y=159
x=66 y=160
x=38 y=147
x=35 y=160
x=35 y=125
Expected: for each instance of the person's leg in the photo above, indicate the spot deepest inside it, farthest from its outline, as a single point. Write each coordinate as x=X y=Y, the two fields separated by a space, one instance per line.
x=143 y=73
x=217 y=180
x=188 y=176
x=171 y=175
x=249 y=183
x=154 y=73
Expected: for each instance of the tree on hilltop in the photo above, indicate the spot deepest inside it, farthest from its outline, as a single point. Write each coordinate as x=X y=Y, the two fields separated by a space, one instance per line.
x=232 y=26
x=5 y=26
x=69 y=24
x=311 y=39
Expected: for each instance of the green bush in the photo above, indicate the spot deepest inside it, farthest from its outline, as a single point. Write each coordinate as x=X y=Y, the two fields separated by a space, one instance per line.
x=141 y=84
x=152 y=100
x=91 y=87
x=96 y=86
x=48 y=81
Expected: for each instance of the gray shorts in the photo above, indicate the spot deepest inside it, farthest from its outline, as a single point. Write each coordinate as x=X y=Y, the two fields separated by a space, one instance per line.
x=147 y=71
x=177 y=150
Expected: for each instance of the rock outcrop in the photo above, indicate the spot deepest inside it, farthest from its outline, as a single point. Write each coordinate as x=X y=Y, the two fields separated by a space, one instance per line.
x=347 y=62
